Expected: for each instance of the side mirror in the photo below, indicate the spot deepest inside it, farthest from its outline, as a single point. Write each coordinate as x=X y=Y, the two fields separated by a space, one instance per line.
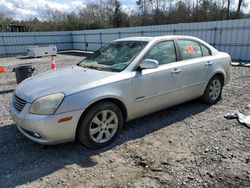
x=149 y=64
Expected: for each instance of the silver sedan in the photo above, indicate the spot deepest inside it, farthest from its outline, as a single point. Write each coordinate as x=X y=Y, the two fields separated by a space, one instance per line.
x=123 y=80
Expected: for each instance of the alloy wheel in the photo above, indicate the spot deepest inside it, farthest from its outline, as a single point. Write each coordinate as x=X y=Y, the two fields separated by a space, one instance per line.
x=103 y=126
x=215 y=89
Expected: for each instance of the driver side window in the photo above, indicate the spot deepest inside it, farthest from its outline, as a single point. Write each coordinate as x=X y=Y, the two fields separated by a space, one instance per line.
x=163 y=52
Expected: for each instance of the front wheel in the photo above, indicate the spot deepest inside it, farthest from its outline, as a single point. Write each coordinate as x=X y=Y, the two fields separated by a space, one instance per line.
x=213 y=90
x=100 y=125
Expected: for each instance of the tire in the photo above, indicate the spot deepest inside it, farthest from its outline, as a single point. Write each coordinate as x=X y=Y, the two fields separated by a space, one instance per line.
x=96 y=131
x=213 y=90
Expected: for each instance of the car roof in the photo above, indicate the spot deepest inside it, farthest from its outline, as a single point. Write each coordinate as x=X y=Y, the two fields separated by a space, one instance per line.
x=135 y=39
x=168 y=37
x=155 y=38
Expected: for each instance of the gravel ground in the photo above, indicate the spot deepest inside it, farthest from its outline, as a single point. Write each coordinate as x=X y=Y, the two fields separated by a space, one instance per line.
x=190 y=145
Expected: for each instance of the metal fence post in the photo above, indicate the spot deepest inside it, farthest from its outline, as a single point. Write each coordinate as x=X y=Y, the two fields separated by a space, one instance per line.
x=242 y=41
x=5 y=45
x=101 y=39
x=219 y=43
x=85 y=42
x=215 y=29
x=35 y=39
x=72 y=41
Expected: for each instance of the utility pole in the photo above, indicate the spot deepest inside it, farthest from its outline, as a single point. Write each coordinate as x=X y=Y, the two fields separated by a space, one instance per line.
x=228 y=9
x=197 y=2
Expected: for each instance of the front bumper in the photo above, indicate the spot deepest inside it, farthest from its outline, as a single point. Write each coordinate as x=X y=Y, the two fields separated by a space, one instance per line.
x=45 y=129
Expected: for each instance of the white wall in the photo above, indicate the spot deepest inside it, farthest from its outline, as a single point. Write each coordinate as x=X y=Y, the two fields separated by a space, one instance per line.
x=17 y=43
x=232 y=36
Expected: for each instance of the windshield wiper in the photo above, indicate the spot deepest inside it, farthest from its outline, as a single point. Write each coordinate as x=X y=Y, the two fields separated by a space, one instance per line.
x=92 y=67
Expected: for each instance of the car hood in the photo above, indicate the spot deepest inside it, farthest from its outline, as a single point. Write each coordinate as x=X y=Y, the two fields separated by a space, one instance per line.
x=66 y=80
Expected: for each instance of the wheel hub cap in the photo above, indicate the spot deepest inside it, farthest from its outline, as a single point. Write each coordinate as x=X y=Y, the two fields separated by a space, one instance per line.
x=215 y=89
x=103 y=126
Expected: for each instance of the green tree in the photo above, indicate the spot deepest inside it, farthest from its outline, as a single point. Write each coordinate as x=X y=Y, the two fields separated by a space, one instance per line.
x=117 y=17
x=4 y=21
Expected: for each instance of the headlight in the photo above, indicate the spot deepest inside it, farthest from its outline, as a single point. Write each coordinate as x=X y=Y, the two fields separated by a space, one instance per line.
x=46 y=105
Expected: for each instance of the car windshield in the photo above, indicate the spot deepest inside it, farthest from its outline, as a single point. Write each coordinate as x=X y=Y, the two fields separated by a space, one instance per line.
x=115 y=56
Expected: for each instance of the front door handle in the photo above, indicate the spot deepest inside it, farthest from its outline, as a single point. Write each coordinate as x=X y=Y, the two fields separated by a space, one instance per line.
x=209 y=63
x=176 y=71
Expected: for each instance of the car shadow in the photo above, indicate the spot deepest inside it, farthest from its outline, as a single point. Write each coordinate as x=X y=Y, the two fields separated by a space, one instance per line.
x=25 y=161
x=27 y=57
x=6 y=91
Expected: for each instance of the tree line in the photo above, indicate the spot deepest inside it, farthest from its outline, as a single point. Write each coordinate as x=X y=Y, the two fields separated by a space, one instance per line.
x=110 y=14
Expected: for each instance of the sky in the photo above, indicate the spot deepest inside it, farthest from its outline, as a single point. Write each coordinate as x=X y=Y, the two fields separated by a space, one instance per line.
x=29 y=9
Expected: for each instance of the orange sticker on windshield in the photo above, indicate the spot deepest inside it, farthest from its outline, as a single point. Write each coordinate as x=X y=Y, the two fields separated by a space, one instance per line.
x=190 y=49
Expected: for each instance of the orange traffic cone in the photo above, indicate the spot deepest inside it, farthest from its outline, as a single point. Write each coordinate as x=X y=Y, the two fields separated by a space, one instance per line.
x=2 y=70
x=53 y=64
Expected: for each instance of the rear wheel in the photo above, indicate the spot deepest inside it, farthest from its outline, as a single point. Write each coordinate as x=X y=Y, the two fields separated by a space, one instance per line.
x=100 y=125
x=213 y=90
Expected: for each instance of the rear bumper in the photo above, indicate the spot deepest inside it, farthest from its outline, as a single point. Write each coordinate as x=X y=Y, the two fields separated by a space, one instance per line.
x=45 y=129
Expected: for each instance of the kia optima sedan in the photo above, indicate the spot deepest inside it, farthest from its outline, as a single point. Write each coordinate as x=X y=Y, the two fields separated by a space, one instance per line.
x=126 y=79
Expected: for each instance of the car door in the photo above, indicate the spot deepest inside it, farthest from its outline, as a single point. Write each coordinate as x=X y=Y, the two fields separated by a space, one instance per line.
x=192 y=77
x=210 y=62
x=156 y=88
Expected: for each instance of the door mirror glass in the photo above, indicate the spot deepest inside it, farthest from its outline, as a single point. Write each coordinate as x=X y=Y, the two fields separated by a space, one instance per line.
x=149 y=64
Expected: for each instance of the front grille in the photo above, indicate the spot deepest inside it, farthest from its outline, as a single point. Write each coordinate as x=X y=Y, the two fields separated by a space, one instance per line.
x=19 y=103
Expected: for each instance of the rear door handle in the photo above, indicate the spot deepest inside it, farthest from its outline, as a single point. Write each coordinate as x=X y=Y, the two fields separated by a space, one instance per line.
x=176 y=71
x=209 y=63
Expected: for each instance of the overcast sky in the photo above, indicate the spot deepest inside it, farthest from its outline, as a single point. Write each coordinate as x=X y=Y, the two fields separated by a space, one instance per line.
x=25 y=9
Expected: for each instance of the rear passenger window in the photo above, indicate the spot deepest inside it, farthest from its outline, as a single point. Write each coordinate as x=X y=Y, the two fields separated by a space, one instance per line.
x=189 y=49
x=163 y=52
x=205 y=51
